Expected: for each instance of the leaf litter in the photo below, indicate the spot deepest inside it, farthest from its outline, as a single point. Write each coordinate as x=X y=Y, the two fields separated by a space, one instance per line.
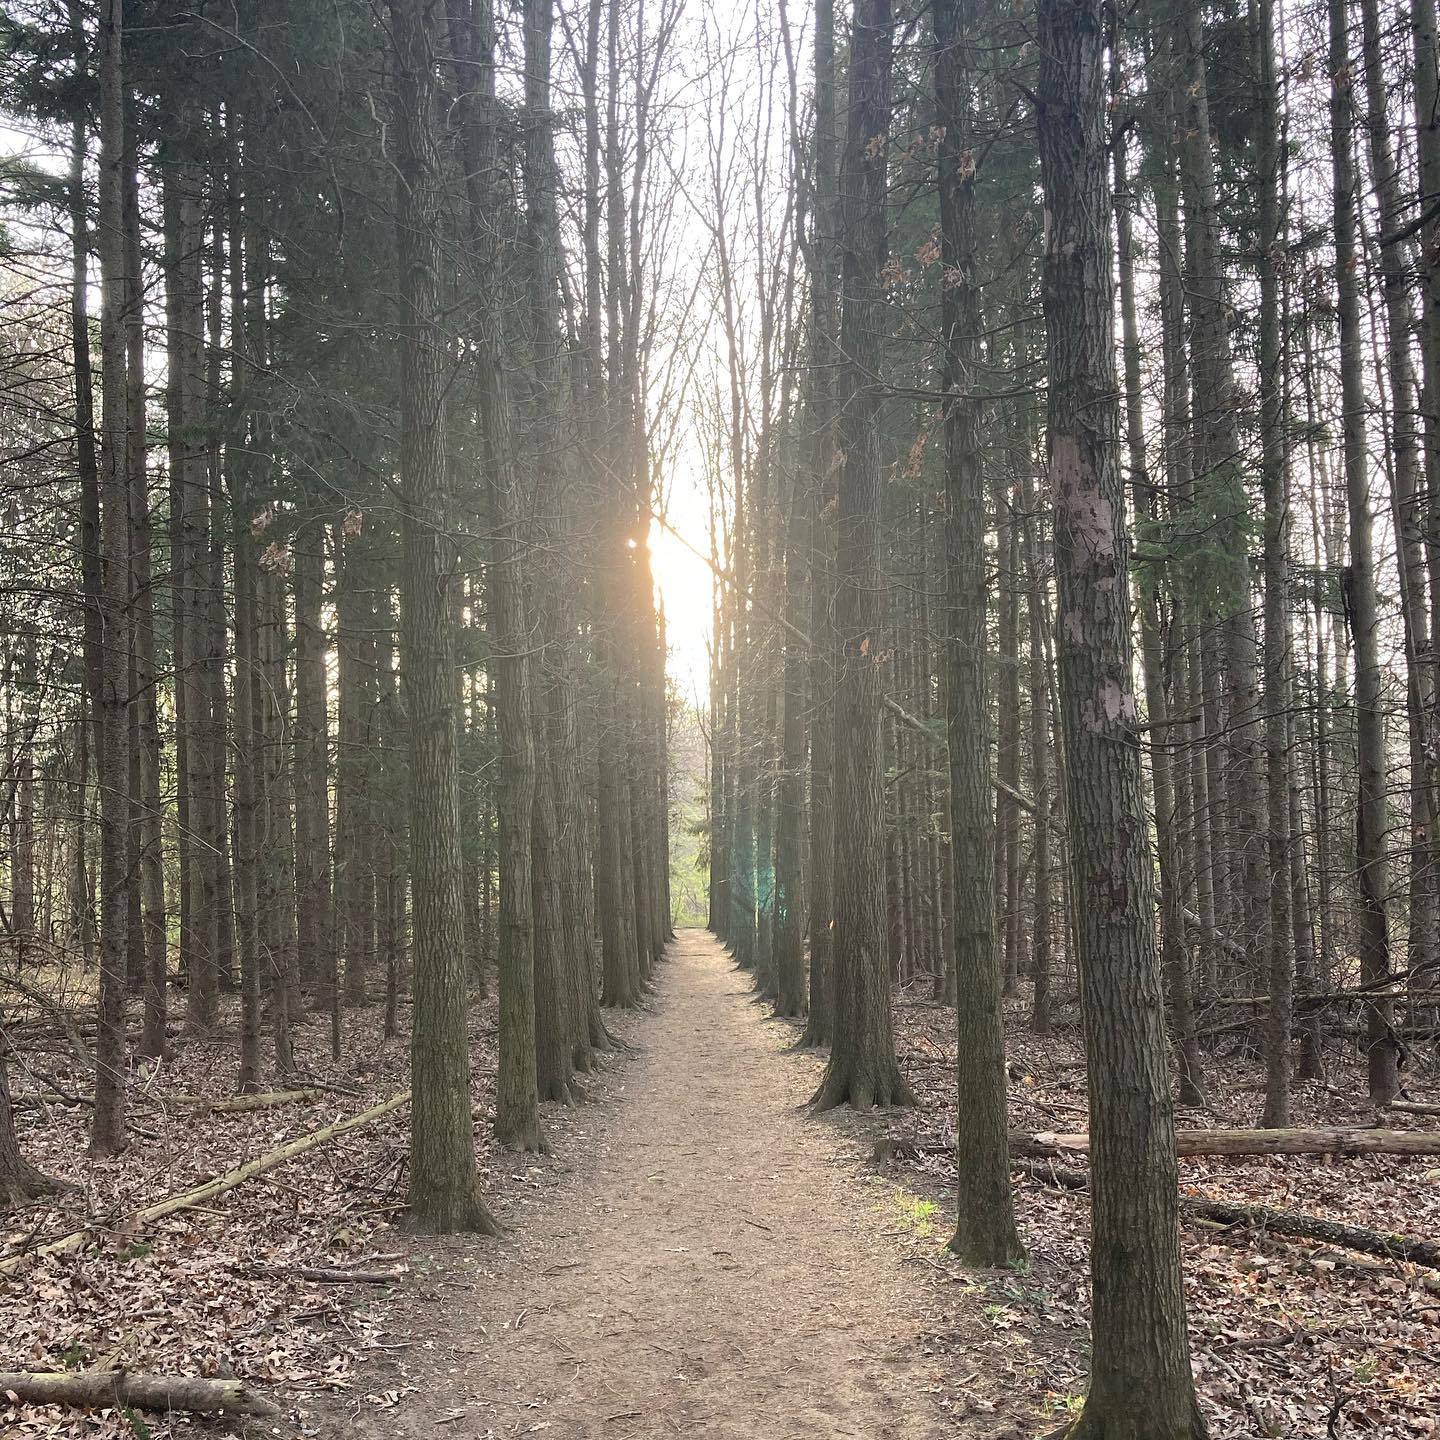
x=1289 y=1337
x=211 y=1290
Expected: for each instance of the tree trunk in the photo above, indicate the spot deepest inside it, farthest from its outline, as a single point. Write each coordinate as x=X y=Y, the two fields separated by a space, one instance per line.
x=124 y=1391
x=820 y=1022
x=112 y=703
x=985 y=1231
x=1275 y=469
x=1219 y=481
x=788 y=931
x=444 y=1186
x=562 y=948
x=1426 y=36
x=862 y=1070
x=1140 y=1382
x=1040 y=742
x=1361 y=607
x=1175 y=961
x=247 y=797
x=315 y=939
x=19 y=1180
x=1407 y=488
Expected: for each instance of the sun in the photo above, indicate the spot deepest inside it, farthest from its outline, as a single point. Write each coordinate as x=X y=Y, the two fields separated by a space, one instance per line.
x=685 y=586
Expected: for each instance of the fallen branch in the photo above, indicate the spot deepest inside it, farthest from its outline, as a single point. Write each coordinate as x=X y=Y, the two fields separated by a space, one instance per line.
x=118 y=1388
x=220 y=1184
x=1413 y=1107
x=1312 y=1227
x=1358 y=1140
x=1355 y=1141
x=333 y=1274
x=1225 y=1212
x=231 y=1104
x=1228 y=1212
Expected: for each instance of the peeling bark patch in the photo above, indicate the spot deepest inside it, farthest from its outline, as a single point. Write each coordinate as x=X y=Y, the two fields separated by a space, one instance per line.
x=1113 y=704
x=1118 y=702
x=1091 y=516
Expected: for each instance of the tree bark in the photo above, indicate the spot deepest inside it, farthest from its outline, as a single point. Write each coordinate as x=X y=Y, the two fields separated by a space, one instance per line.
x=314 y=933
x=1361 y=607
x=1140 y=1382
x=92 y=1389
x=19 y=1179
x=1275 y=471
x=1407 y=490
x=862 y=1070
x=820 y=1022
x=985 y=1231
x=107 y=1132
x=444 y=1185
x=1175 y=960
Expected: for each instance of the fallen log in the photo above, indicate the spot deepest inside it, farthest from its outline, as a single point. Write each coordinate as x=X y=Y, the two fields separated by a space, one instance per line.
x=1229 y=1212
x=1358 y=1140
x=220 y=1184
x=1312 y=1227
x=118 y=1389
x=1354 y=1141
x=1413 y=1107
x=231 y=1104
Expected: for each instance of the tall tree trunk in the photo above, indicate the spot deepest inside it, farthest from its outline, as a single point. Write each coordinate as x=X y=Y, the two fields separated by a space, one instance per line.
x=219 y=876
x=1174 y=958
x=149 y=958
x=562 y=956
x=1361 y=607
x=141 y=634
x=354 y=561
x=1408 y=487
x=819 y=1025
x=444 y=1185
x=1275 y=472
x=985 y=1231
x=278 y=817
x=517 y=1113
x=248 y=760
x=1426 y=37
x=1217 y=470
x=788 y=931
x=1140 y=1382
x=112 y=703
x=1042 y=921
x=862 y=1070
x=190 y=547
x=88 y=472
x=315 y=937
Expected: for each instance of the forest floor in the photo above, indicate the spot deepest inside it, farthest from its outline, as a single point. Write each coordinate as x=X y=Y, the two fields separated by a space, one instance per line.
x=698 y=1255
x=714 y=1263
x=1289 y=1337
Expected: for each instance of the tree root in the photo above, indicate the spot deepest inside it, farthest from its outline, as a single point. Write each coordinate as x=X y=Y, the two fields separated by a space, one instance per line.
x=859 y=1088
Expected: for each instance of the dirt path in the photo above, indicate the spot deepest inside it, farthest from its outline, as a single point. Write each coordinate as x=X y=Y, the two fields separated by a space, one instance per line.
x=709 y=1268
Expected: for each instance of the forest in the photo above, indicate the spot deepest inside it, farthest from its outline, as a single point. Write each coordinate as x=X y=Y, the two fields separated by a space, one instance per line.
x=720 y=718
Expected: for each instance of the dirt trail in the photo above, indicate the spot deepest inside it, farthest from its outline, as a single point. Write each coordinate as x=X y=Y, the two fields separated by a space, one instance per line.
x=709 y=1267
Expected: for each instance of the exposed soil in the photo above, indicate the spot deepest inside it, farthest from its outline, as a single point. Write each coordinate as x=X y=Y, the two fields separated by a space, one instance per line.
x=710 y=1266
